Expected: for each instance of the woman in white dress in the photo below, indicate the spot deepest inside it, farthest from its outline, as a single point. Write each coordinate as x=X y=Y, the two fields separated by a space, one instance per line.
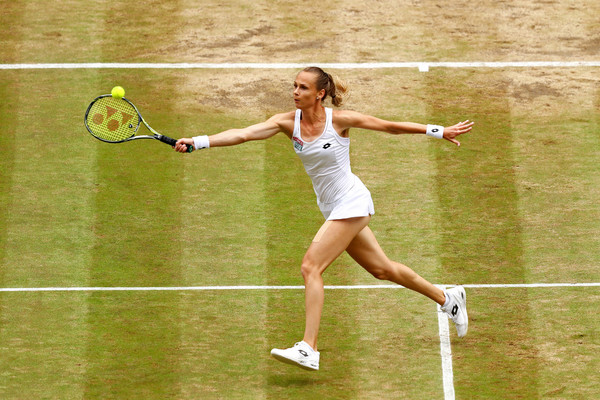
x=320 y=137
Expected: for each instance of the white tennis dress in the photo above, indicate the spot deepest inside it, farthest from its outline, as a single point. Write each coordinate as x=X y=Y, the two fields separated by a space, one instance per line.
x=340 y=193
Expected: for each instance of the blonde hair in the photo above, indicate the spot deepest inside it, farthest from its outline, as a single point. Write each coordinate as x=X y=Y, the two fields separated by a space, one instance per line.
x=334 y=87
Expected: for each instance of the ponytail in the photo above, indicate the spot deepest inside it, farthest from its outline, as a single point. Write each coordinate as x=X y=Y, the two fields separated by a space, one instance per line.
x=333 y=86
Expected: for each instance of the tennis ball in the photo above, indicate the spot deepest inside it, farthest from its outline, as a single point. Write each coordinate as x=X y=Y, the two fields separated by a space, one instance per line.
x=117 y=92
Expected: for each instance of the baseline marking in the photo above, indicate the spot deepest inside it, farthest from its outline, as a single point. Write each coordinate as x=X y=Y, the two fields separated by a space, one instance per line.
x=421 y=65
x=258 y=287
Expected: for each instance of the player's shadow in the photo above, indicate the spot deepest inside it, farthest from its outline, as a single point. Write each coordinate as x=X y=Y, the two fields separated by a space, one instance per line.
x=291 y=380
x=289 y=376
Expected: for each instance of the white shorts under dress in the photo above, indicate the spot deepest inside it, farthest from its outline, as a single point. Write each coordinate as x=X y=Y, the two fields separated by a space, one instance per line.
x=356 y=203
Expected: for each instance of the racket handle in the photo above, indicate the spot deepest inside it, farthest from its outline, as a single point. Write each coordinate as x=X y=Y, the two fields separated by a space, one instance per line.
x=172 y=142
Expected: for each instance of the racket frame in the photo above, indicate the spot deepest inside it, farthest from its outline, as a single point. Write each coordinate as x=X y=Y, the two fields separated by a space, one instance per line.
x=155 y=135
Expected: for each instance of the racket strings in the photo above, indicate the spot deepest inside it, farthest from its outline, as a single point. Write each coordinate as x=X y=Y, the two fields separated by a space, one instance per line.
x=112 y=120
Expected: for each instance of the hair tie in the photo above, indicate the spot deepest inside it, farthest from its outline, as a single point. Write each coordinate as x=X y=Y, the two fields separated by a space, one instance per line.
x=333 y=96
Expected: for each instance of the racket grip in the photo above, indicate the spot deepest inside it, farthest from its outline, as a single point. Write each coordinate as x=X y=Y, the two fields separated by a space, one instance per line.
x=173 y=142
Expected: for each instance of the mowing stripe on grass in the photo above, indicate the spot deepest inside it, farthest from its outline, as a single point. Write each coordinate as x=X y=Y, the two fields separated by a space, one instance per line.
x=48 y=216
x=480 y=226
x=224 y=239
x=7 y=144
x=421 y=65
x=9 y=89
x=133 y=205
x=137 y=239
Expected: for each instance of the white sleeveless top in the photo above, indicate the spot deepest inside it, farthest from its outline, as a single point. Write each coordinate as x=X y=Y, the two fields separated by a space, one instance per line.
x=326 y=160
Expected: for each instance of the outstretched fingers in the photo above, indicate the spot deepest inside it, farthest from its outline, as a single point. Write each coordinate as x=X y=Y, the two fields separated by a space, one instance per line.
x=451 y=132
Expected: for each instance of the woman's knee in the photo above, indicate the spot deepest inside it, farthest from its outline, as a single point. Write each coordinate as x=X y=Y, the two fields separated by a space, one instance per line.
x=309 y=268
x=382 y=270
x=380 y=273
x=392 y=271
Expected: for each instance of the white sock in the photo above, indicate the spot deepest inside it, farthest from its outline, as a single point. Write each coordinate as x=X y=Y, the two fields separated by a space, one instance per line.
x=447 y=299
x=309 y=346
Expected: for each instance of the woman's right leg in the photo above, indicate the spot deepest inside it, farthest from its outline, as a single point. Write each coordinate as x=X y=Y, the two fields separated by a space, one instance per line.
x=331 y=241
x=365 y=250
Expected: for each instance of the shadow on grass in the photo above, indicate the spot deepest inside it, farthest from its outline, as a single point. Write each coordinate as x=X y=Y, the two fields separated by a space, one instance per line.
x=295 y=379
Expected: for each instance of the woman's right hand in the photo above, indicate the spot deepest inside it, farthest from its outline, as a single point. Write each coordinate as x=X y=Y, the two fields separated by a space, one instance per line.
x=182 y=144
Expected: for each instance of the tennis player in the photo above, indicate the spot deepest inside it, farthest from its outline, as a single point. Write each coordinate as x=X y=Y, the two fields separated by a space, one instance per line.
x=320 y=137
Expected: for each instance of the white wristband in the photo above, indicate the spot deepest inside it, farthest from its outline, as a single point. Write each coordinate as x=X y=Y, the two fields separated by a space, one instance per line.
x=201 y=142
x=436 y=131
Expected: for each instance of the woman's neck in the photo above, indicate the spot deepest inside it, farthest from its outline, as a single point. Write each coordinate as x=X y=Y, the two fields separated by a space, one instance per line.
x=314 y=115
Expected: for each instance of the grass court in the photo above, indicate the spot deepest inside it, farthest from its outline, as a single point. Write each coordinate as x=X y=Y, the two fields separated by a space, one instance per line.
x=517 y=203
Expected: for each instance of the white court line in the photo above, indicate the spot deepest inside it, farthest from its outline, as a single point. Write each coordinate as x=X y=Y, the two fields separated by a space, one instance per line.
x=259 y=287
x=421 y=65
x=446 y=352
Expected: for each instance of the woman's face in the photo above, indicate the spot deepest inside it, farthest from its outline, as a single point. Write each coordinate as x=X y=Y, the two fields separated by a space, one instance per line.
x=305 y=90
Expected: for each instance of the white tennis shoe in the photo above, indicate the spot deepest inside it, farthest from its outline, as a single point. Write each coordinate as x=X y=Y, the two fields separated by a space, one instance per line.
x=456 y=308
x=301 y=355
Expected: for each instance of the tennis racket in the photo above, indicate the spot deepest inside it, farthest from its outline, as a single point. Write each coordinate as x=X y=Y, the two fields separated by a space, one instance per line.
x=117 y=120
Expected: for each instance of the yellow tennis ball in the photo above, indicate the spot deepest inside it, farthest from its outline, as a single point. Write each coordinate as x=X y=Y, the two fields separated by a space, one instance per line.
x=117 y=92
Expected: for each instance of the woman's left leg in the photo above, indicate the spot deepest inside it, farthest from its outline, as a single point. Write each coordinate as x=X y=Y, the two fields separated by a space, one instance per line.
x=365 y=250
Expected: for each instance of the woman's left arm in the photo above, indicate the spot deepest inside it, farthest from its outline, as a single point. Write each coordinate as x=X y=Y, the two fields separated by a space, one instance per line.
x=352 y=119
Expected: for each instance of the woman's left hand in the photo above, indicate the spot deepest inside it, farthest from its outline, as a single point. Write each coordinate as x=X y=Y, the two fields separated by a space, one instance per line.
x=451 y=132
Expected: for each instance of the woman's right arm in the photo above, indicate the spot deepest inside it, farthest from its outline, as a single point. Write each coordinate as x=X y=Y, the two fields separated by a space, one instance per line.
x=231 y=137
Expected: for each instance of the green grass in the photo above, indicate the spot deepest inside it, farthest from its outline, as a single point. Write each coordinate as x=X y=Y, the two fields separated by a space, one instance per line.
x=85 y=213
x=517 y=203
